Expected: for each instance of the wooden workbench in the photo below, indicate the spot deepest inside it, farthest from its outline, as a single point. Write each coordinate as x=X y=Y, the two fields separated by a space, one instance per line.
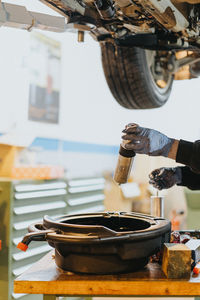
x=47 y=279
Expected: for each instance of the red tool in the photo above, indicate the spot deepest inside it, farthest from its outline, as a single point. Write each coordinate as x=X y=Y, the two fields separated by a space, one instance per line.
x=22 y=246
x=196 y=269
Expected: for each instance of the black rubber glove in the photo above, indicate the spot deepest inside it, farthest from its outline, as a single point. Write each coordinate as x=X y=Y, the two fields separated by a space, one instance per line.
x=165 y=178
x=146 y=141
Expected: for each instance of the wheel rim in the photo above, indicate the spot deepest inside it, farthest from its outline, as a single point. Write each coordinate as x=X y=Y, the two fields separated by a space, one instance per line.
x=162 y=80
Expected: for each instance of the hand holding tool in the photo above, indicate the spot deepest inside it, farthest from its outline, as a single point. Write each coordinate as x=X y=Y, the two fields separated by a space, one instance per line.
x=165 y=178
x=146 y=141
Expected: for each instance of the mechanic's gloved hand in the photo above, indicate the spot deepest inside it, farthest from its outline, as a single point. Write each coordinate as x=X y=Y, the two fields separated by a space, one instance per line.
x=165 y=178
x=146 y=141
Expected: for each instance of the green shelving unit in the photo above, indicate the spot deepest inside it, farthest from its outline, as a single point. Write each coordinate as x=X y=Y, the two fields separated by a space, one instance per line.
x=25 y=202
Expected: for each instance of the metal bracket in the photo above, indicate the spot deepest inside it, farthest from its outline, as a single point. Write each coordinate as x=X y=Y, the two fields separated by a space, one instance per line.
x=175 y=64
x=17 y=16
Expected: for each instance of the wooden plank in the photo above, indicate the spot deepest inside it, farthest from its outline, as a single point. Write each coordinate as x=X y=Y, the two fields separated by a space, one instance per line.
x=176 y=261
x=50 y=297
x=45 y=278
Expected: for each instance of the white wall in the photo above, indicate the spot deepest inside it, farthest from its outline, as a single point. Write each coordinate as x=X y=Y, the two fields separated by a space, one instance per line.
x=88 y=110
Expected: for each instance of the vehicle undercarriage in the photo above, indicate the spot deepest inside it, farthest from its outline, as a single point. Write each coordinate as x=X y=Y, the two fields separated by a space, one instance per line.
x=145 y=44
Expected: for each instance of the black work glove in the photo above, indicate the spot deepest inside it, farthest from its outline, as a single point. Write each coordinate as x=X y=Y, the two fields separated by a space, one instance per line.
x=146 y=141
x=165 y=178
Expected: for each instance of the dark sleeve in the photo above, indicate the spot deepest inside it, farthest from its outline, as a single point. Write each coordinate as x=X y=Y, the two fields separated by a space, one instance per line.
x=190 y=179
x=189 y=154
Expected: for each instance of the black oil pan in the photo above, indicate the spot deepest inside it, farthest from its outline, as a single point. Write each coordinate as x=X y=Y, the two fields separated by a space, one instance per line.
x=102 y=243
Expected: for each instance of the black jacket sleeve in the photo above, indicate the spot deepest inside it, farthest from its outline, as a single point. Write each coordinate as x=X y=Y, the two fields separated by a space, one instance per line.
x=190 y=179
x=189 y=154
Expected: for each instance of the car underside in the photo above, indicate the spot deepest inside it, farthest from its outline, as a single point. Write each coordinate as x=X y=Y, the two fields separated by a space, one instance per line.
x=168 y=24
x=145 y=44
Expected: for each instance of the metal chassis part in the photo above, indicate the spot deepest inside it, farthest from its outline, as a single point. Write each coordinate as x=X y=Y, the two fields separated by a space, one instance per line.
x=166 y=14
x=64 y=5
x=17 y=16
x=176 y=64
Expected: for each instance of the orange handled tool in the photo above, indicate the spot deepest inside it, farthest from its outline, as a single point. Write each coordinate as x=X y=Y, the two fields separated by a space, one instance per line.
x=196 y=269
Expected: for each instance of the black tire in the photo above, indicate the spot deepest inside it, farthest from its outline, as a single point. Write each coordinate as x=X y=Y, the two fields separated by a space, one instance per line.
x=130 y=79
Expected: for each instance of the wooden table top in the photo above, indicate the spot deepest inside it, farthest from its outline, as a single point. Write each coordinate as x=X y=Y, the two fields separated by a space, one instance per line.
x=44 y=277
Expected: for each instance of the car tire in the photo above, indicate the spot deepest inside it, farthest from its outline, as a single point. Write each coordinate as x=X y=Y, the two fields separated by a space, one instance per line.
x=130 y=79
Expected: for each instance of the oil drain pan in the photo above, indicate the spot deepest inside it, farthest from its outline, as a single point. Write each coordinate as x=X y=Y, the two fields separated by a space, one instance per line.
x=102 y=243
